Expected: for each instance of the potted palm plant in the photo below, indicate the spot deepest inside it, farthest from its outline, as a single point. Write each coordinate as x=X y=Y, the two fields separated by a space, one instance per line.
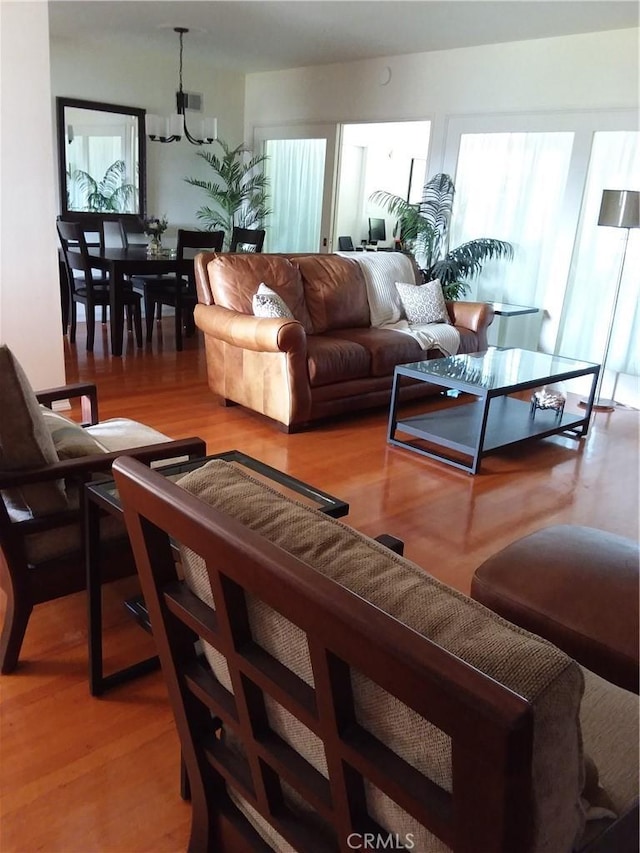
x=423 y=230
x=239 y=192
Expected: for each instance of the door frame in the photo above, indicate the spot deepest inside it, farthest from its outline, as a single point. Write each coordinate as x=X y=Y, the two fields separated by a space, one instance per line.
x=330 y=133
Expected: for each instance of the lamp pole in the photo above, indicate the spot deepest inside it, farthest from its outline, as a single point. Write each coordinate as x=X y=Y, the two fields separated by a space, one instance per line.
x=618 y=209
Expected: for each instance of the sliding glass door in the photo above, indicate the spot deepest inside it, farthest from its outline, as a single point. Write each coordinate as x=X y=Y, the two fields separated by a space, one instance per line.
x=301 y=171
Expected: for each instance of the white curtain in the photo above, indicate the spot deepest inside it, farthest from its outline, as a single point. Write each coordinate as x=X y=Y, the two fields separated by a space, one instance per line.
x=614 y=164
x=510 y=186
x=295 y=168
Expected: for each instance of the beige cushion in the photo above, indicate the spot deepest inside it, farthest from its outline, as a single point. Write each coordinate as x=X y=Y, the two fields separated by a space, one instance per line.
x=424 y=303
x=122 y=434
x=530 y=666
x=110 y=435
x=69 y=438
x=609 y=718
x=267 y=303
x=25 y=441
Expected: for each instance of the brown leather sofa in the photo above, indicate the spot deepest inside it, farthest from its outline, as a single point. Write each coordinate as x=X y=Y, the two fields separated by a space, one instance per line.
x=329 y=360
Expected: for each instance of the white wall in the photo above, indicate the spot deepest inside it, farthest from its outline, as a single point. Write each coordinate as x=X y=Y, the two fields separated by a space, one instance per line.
x=148 y=79
x=584 y=72
x=30 y=321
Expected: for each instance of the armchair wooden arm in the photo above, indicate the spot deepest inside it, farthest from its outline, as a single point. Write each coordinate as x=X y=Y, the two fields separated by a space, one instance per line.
x=83 y=467
x=86 y=390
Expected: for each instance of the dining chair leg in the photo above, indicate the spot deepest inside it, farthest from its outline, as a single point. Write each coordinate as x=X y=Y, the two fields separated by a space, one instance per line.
x=91 y=326
x=149 y=311
x=178 y=319
x=73 y=321
x=104 y=314
x=129 y=319
x=137 y=323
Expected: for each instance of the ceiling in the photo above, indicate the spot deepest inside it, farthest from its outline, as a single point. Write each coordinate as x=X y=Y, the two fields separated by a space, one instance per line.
x=265 y=35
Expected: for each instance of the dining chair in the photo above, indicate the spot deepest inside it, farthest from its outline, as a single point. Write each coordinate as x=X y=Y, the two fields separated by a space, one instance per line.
x=177 y=291
x=132 y=232
x=93 y=228
x=249 y=239
x=87 y=289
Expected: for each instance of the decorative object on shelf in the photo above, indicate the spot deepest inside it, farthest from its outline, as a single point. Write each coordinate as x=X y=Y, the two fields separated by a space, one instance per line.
x=423 y=231
x=548 y=398
x=172 y=128
x=154 y=227
x=618 y=209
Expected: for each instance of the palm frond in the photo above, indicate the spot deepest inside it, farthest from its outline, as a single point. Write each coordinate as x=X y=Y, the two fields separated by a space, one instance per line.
x=424 y=230
x=238 y=193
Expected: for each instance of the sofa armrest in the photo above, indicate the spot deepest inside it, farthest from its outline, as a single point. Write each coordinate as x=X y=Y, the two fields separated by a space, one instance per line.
x=476 y=316
x=248 y=332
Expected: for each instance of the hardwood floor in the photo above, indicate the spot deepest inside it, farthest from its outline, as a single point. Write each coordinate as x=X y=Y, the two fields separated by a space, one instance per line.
x=82 y=774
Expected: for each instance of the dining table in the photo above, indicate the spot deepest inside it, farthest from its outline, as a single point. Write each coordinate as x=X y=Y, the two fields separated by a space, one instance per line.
x=120 y=263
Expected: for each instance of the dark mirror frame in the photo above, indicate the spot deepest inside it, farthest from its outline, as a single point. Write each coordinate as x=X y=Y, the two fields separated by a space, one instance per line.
x=61 y=103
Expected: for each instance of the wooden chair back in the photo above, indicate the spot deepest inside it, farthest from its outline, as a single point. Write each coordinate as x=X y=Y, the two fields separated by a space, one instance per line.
x=76 y=254
x=212 y=240
x=490 y=727
x=247 y=237
x=132 y=232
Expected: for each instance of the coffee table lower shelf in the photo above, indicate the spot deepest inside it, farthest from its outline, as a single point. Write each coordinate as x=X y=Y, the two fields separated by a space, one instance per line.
x=459 y=428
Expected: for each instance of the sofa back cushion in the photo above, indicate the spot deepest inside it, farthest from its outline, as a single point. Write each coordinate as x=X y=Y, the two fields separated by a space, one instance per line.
x=235 y=278
x=335 y=292
x=528 y=665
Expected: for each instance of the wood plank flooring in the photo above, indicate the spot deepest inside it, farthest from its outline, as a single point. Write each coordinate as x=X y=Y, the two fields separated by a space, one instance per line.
x=82 y=774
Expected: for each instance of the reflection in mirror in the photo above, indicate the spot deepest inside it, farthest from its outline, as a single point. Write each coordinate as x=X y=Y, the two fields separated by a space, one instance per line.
x=101 y=149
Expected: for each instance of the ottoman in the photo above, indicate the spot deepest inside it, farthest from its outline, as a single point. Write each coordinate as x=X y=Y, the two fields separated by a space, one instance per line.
x=576 y=586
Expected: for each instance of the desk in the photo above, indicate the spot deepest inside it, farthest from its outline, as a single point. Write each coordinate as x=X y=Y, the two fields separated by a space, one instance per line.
x=119 y=262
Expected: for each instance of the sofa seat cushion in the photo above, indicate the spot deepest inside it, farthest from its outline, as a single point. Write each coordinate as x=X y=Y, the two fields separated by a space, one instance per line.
x=335 y=292
x=25 y=441
x=234 y=279
x=528 y=665
x=331 y=359
x=123 y=433
x=386 y=348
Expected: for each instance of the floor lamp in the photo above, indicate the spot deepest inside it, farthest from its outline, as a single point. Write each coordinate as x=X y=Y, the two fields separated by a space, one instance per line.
x=618 y=209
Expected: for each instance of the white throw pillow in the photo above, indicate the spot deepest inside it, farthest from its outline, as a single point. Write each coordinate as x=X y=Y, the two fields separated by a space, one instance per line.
x=423 y=303
x=267 y=303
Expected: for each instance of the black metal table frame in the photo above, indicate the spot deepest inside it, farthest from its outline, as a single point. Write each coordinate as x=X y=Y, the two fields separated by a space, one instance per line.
x=100 y=497
x=576 y=425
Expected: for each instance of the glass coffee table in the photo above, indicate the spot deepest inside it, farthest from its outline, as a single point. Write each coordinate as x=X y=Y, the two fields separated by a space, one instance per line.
x=460 y=435
x=103 y=497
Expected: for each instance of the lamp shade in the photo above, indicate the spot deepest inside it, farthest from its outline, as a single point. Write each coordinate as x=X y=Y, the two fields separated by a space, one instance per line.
x=620 y=209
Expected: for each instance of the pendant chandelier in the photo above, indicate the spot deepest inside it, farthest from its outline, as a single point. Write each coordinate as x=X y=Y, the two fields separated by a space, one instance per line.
x=172 y=128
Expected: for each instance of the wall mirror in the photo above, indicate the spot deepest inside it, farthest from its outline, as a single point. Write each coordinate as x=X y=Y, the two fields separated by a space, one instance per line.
x=101 y=158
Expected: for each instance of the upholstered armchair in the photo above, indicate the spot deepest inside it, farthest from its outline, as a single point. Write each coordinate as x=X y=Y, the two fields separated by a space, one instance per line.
x=342 y=698
x=45 y=459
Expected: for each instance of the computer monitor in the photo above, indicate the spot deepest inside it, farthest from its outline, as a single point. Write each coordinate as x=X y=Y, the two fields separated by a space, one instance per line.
x=377 y=230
